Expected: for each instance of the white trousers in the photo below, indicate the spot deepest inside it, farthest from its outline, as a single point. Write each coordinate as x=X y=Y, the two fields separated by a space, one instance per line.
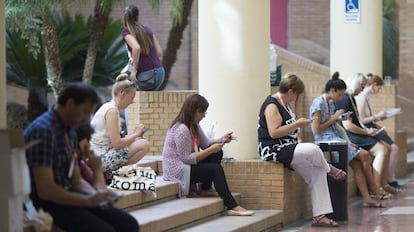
x=308 y=160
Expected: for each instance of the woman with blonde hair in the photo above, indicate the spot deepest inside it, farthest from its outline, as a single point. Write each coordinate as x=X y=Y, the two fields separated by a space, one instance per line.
x=277 y=131
x=106 y=142
x=362 y=136
x=144 y=51
x=325 y=127
x=369 y=119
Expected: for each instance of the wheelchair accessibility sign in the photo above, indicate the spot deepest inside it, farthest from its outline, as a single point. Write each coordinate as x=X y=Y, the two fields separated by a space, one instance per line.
x=352 y=11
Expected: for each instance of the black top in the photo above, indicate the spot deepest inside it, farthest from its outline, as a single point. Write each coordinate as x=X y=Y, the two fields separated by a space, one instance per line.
x=276 y=149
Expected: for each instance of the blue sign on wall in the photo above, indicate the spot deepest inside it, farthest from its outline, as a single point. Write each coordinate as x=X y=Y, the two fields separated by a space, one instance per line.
x=352 y=11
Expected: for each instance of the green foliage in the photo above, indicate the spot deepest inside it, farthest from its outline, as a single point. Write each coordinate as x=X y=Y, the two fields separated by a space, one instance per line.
x=23 y=68
x=73 y=39
x=390 y=48
x=390 y=41
x=28 y=17
x=389 y=7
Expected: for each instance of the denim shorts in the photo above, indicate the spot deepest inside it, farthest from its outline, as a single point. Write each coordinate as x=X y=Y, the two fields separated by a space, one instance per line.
x=150 y=80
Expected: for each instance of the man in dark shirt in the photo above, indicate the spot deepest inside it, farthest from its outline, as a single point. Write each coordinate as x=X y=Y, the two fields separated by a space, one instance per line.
x=57 y=185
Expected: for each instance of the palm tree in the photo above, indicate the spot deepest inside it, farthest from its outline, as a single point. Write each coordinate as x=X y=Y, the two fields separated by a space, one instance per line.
x=100 y=20
x=24 y=70
x=175 y=37
x=30 y=18
x=27 y=71
x=179 y=11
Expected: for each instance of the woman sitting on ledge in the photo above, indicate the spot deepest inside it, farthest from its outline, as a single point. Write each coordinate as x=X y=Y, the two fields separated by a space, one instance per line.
x=190 y=157
x=362 y=136
x=366 y=116
x=326 y=128
x=277 y=132
x=106 y=142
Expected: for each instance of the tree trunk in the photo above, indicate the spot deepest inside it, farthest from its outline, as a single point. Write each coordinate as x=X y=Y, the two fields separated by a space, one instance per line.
x=35 y=106
x=52 y=59
x=99 y=23
x=174 y=41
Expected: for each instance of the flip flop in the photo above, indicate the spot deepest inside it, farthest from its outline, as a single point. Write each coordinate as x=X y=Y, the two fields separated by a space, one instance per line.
x=340 y=175
x=316 y=222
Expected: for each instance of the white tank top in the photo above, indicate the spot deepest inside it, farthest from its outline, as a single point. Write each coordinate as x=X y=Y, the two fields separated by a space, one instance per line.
x=101 y=135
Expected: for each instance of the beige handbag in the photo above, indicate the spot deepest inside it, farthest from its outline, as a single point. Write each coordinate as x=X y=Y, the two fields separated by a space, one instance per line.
x=134 y=177
x=342 y=132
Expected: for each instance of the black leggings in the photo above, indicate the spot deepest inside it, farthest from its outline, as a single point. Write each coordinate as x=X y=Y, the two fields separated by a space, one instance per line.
x=79 y=219
x=209 y=171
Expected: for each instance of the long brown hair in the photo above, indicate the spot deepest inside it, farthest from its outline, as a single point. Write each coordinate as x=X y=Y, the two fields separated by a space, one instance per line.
x=192 y=104
x=131 y=21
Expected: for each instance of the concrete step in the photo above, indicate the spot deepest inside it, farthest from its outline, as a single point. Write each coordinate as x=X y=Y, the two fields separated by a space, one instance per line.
x=262 y=220
x=177 y=213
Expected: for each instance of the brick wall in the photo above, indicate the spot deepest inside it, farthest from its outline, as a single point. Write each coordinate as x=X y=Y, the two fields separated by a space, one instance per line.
x=309 y=29
x=406 y=69
x=267 y=185
x=156 y=109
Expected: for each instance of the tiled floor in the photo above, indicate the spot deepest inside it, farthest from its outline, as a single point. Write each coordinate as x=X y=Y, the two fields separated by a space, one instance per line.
x=397 y=216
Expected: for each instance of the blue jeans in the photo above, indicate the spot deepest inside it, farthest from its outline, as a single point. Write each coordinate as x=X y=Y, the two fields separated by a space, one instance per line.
x=150 y=80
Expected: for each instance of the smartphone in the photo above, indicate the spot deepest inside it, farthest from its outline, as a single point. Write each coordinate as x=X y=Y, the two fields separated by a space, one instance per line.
x=346 y=114
x=379 y=130
x=112 y=200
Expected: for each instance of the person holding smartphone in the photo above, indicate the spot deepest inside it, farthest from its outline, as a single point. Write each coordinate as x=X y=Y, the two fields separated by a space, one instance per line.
x=361 y=135
x=278 y=129
x=369 y=119
x=106 y=142
x=326 y=128
x=57 y=185
x=190 y=157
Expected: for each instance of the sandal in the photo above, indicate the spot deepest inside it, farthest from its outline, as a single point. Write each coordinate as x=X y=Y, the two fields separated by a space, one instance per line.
x=381 y=194
x=339 y=175
x=390 y=189
x=317 y=221
x=373 y=205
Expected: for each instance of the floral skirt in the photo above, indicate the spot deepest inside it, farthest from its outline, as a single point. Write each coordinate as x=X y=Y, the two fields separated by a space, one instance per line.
x=111 y=159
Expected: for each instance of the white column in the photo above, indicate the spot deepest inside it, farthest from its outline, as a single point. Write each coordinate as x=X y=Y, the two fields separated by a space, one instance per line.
x=4 y=159
x=356 y=47
x=234 y=38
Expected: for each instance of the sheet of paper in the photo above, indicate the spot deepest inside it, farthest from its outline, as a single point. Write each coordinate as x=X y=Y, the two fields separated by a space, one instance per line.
x=392 y=112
